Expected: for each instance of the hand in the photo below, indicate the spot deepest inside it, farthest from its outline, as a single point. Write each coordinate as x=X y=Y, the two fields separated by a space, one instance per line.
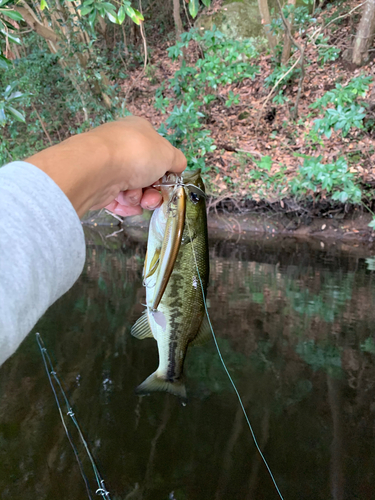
x=112 y=166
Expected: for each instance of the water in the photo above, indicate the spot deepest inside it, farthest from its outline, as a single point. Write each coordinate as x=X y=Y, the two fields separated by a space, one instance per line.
x=295 y=323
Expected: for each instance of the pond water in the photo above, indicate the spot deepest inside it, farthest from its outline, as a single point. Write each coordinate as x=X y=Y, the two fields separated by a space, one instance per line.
x=295 y=323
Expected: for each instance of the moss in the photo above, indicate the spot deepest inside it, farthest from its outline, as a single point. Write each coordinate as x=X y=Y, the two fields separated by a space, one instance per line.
x=237 y=19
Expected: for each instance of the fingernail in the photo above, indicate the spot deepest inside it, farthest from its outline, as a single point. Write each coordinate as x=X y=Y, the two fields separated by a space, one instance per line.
x=151 y=207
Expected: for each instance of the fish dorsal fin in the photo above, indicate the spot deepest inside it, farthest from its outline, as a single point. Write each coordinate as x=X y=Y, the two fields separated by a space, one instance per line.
x=204 y=333
x=154 y=264
x=141 y=328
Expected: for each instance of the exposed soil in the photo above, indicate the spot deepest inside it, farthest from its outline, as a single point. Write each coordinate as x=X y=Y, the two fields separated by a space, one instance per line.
x=239 y=205
x=352 y=232
x=269 y=130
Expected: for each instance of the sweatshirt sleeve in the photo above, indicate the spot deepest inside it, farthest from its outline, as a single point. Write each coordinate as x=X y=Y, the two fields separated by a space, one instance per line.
x=42 y=250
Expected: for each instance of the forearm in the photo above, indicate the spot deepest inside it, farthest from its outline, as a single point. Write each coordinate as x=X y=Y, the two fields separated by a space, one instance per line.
x=126 y=156
x=76 y=166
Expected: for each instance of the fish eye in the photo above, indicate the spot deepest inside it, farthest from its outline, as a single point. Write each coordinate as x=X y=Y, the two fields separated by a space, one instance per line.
x=194 y=197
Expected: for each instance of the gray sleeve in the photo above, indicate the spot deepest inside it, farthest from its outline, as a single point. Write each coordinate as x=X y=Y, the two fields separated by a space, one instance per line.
x=42 y=250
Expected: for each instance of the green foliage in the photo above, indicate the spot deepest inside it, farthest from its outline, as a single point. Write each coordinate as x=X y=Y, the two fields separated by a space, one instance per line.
x=7 y=29
x=347 y=112
x=194 y=6
x=274 y=77
x=326 y=357
x=261 y=181
x=97 y=8
x=343 y=96
x=188 y=133
x=340 y=118
x=48 y=91
x=326 y=52
x=333 y=178
x=301 y=17
x=8 y=99
x=278 y=72
x=368 y=345
x=195 y=87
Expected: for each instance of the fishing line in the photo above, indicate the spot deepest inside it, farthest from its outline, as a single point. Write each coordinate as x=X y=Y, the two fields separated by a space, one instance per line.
x=101 y=490
x=227 y=371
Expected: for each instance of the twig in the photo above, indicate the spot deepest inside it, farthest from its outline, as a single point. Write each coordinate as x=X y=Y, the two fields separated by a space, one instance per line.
x=145 y=58
x=273 y=88
x=249 y=152
x=300 y=60
x=114 y=215
x=42 y=124
x=186 y=14
x=143 y=38
x=300 y=83
x=287 y=28
x=345 y=15
x=322 y=28
x=115 y=233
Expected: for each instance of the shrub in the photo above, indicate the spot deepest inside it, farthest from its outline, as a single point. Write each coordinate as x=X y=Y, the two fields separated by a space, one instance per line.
x=195 y=87
x=332 y=178
x=347 y=113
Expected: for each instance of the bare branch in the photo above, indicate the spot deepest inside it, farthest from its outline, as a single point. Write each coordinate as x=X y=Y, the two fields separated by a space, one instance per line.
x=274 y=87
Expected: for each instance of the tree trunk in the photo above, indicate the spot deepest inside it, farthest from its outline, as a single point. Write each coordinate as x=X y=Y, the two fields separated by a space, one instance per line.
x=365 y=34
x=266 y=21
x=177 y=19
x=287 y=41
x=58 y=42
x=178 y=25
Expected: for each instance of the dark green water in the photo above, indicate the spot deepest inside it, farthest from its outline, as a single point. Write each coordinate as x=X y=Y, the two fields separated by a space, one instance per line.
x=296 y=328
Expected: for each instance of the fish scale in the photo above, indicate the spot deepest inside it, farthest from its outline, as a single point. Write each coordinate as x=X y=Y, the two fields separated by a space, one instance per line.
x=179 y=319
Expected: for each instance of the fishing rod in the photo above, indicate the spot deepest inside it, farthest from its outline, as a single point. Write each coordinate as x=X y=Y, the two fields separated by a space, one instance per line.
x=52 y=375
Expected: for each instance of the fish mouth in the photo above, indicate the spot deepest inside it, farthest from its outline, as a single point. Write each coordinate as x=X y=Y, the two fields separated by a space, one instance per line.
x=190 y=180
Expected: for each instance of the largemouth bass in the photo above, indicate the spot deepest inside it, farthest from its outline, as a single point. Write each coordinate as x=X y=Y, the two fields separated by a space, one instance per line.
x=175 y=313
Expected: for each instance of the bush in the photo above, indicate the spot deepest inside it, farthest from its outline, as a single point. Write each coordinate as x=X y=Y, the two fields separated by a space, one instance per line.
x=333 y=179
x=195 y=87
x=48 y=95
x=347 y=113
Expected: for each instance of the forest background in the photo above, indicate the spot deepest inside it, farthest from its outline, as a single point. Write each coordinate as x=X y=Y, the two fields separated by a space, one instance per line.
x=274 y=100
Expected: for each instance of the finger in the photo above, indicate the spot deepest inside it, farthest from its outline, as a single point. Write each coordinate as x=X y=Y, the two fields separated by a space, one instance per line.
x=111 y=206
x=122 y=210
x=151 y=199
x=128 y=211
x=179 y=162
x=129 y=198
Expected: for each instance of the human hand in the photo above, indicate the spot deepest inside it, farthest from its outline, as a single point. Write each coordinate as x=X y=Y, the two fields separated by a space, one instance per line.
x=113 y=166
x=149 y=157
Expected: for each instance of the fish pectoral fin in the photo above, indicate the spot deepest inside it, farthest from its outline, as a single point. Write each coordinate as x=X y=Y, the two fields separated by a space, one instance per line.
x=141 y=328
x=156 y=383
x=153 y=264
x=204 y=333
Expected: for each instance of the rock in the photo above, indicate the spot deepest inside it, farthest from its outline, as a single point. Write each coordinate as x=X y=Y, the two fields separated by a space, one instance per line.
x=238 y=20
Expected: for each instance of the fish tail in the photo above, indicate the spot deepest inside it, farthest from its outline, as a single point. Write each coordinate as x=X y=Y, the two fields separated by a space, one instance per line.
x=156 y=382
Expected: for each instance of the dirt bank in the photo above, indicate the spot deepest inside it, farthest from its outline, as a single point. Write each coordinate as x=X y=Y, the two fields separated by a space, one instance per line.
x=349 y=234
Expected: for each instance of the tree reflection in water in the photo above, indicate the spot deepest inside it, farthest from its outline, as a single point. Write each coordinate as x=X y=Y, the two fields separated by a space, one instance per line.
x=295 y=324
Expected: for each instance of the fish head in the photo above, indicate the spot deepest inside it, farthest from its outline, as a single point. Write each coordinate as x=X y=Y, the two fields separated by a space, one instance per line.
x=167 y=185
x=195 y=195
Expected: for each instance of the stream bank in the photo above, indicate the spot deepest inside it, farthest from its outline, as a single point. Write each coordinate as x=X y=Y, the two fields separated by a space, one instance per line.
x=350 y=234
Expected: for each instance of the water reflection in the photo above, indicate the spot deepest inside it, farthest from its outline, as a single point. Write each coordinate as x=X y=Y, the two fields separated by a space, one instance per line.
x=295 y=325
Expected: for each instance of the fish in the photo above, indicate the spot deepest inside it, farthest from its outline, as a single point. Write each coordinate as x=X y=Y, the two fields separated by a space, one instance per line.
x=175 y=293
